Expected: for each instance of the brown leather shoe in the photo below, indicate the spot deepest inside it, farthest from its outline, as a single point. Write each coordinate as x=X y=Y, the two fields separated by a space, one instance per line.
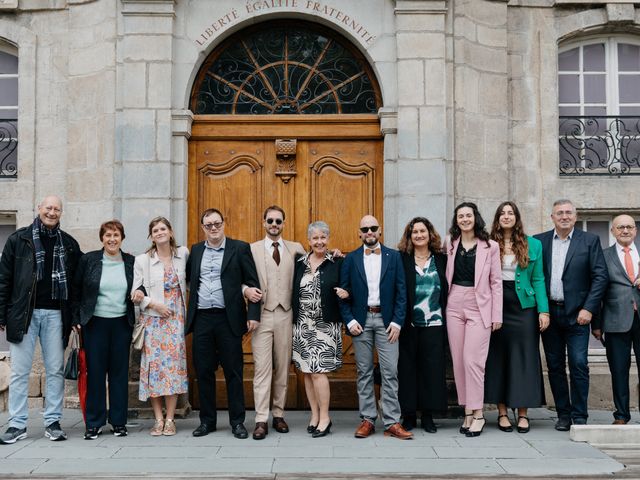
x=279 y=425
x=619 y=421
x=365 y=429
x=397 y=431
x=261 y=431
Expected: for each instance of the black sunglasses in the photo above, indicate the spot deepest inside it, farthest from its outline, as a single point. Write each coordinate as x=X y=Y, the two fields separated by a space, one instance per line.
x=373 y=228
x=271 y=220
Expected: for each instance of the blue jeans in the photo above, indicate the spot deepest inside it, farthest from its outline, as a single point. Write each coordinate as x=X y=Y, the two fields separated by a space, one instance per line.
x=46 y=324
x=564 y=339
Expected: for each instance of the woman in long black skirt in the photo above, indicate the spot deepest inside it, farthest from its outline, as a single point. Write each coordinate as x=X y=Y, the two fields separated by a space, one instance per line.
x=513 y=370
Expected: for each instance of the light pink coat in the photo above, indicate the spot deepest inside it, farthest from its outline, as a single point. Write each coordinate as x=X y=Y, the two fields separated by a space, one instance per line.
x=488 y=278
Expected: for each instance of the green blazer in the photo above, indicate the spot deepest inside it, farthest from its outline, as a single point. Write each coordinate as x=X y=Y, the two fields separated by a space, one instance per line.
x=530 y=286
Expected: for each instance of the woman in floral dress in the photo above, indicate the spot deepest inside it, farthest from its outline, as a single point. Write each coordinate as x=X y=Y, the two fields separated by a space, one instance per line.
x=163 y=366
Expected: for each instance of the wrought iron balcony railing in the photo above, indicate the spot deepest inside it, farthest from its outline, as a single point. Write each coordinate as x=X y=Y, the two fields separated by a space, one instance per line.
x=8 y=148
x=605 y=145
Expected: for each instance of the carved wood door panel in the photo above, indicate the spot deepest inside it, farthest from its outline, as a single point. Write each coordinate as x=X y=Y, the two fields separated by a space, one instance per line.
x=333 y=180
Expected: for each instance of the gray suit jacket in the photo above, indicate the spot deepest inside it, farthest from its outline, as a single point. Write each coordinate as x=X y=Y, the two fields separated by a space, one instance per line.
x=617 y=304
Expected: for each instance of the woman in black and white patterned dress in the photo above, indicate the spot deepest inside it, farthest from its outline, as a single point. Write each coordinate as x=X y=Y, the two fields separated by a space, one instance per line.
x=317 y=328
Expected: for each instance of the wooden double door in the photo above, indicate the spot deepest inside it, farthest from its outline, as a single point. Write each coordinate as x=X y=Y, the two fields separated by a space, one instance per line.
x=316 y=168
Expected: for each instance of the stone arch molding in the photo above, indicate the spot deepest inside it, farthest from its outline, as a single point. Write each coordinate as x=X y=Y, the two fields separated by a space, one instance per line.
x=383 y=43
x=596 y=21
x=25 y=41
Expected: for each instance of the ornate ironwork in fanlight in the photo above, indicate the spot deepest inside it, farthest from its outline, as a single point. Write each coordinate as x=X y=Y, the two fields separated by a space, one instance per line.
x=606 y=145
x=8 y=148
x=286 y=68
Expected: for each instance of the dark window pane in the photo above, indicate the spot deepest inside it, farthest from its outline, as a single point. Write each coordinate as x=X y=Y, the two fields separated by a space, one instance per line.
x=629 y=87
x=9 y=91
x=8 y=63
x=601 y=229
x=569 y=111
x=595 y=89
x=595 y=111
x=569 y=87
x=593 y=58
x=630 y=111
x=628 y=58
x=569 y=60
x=8 y=113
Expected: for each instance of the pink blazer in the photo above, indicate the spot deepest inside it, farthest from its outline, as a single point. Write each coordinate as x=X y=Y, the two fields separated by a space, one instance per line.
x=488 y=278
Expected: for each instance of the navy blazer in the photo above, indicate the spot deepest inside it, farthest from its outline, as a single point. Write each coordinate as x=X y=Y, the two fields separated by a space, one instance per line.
x=238 y=268
x=584 y=278
x=393 y=291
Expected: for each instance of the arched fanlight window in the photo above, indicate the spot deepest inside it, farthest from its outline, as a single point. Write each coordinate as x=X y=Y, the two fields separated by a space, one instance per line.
x=285 y=68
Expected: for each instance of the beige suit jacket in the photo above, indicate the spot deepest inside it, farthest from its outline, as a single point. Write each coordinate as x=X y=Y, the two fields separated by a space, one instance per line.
x=258 y=251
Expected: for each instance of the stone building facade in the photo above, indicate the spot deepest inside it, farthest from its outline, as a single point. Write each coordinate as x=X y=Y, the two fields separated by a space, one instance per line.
x=469 y=105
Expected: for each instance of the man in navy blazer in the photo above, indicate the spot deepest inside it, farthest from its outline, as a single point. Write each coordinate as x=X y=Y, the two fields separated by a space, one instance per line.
x=374 y=277
x=576 y=279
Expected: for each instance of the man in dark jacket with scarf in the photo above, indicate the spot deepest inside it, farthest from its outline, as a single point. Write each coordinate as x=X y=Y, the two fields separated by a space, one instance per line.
x=36 y=268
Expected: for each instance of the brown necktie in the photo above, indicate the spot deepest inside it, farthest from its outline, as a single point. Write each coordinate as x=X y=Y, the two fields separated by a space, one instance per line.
x=276 y=253
x=369 y=251
x=628 y=266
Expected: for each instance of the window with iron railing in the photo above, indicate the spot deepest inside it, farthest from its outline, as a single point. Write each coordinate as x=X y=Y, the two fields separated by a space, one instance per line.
x=8 y=112
x=599 y=106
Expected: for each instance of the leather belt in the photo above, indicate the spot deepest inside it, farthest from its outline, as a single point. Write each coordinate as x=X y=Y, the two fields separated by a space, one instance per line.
x=375 y=309
x=556 y=303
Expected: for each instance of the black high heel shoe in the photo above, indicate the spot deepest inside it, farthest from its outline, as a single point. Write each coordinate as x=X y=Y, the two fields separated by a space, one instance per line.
x=476 y=434
x=523 y=429
x=322 y=433
x=311 y=428
x=464 y=429
x=505 y=429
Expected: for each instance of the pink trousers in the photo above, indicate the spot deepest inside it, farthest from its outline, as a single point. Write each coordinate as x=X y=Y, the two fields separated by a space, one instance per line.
x=469 y=344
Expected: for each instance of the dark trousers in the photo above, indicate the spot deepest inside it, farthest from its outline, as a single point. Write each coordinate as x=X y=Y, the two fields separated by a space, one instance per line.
x=106 y=343
x=563 y=339
x=619 y=357
x=421 y=370
x=214 y=343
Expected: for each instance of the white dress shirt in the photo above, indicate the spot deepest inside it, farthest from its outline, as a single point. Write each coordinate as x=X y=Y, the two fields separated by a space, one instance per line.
x=559 y=251
x=372 y=268
x=268 y=245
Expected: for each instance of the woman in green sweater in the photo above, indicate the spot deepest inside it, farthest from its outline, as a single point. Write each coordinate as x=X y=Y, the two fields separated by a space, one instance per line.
x=513 y=369
x=104 y=313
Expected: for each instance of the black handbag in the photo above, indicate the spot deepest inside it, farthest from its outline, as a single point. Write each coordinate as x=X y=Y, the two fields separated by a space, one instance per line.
x=71 y=367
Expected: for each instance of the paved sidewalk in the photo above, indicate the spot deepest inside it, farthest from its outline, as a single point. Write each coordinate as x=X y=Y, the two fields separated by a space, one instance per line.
x=541 y=452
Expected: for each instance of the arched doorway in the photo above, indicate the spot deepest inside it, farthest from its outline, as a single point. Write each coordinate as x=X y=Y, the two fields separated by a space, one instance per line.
x=286 y=113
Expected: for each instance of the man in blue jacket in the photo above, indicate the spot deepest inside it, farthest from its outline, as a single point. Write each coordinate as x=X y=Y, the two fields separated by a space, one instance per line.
x=374 y=277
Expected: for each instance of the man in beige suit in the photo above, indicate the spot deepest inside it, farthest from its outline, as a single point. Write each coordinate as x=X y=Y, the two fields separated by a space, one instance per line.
x=271 y=341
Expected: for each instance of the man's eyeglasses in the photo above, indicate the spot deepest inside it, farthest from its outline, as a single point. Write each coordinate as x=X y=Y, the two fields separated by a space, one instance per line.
x=373 y=228
x=620 y=228
x=211 y=226
x=270 y=221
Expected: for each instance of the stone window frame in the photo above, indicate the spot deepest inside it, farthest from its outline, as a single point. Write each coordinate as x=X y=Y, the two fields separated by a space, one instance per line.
x=24 y=40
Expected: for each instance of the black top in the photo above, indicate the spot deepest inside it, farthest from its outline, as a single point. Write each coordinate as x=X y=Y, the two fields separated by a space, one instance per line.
x=329 y=280
x=43 y=287
x=410 y=275
x=464 y=266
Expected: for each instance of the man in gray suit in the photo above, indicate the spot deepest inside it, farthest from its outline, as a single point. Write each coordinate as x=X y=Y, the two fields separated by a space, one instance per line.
x=620 y=322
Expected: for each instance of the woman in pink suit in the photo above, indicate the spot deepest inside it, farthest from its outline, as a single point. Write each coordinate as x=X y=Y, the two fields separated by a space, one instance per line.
x=474 y=308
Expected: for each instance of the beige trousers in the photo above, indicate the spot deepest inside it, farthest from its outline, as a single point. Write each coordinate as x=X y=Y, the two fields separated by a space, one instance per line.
x=271 y=346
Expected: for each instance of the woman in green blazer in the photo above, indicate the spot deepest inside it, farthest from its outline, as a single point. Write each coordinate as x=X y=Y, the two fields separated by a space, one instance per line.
x=513 y=370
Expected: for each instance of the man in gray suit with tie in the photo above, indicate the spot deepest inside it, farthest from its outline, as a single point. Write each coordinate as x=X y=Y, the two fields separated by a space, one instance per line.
x=620 y=322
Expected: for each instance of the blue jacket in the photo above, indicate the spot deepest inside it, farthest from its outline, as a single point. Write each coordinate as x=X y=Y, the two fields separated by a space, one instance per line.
x=393 y=292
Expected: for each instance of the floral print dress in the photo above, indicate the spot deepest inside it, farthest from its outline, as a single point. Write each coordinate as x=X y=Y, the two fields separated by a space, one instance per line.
x=163 y=366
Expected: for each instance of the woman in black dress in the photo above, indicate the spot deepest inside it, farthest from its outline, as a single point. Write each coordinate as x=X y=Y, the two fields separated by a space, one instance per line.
x=513 y=369
x=421 y=364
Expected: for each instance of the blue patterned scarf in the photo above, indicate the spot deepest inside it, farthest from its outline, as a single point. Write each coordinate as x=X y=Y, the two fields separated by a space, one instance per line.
x=59 y=273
